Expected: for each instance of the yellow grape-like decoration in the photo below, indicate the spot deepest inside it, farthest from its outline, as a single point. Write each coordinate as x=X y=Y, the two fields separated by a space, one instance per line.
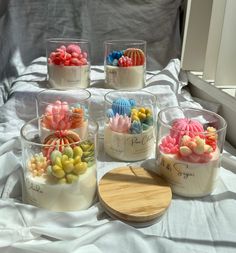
x=141 y=116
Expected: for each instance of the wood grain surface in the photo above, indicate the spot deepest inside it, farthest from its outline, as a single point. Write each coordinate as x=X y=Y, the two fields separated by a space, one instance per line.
x=134 y=194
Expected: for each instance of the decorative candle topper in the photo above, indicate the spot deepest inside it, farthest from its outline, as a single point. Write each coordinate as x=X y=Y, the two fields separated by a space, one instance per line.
x=125 y=117
x=126 y=58
x=70 y=55
x=129 y=128
x=58 y=116
x=189 y=141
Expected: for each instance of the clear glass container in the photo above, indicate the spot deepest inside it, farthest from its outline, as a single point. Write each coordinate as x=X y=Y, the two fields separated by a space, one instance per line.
x=125 y=64
x=189 y=146
x=59 y=166
x=129 y=127
x=56 y=101
x=68 y=63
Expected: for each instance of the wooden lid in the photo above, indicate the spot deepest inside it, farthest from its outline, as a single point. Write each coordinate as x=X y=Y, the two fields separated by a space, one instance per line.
x=134 y=194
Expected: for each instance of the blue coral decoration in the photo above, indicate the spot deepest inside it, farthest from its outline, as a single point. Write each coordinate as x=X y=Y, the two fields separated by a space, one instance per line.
x=136 y=127
x=113 y=57
x=121 y=106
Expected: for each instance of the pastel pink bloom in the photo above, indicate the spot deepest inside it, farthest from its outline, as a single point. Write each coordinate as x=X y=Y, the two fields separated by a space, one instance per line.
x=120 y=123
x=169 y=145
x=57 y=116
x=185 y=126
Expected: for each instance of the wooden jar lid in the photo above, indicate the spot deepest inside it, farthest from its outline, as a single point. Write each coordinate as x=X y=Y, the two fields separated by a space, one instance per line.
x=134 y=194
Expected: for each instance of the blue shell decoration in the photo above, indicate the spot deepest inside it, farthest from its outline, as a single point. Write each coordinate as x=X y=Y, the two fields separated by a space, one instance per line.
x=110 y=113
x=136 y=127
x=121 y=106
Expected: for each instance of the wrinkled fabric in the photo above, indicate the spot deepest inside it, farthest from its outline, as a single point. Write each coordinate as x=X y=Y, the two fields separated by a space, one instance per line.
x=25 y=25
x=189 y=225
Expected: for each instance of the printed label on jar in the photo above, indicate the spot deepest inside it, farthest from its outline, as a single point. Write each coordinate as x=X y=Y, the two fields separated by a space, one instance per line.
x=186 y=178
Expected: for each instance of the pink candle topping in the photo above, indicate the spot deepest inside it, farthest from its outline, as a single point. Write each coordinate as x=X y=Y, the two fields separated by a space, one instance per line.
x=120 y=123
x=71 y=55
x=189 y=141
x=57 y=116
x=185 y=126
x=169 y=145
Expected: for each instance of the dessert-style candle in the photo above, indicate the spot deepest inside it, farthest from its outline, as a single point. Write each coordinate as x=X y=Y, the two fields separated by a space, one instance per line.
x=125 y=64
x=129 y=126
x=59 y=164
x=68 y=62
x=189 y=146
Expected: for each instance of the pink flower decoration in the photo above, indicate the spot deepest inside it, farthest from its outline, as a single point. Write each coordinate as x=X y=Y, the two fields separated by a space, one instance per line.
x=169 y=145
x=185 y=126
x=56 y=116
x=120 y=123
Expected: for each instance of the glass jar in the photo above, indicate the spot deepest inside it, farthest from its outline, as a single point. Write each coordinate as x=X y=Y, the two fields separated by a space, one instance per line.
x=189 y=147
x=59 y=166
x=56 y=101
x=68 y=63
x=130 y=125
x=125 y=64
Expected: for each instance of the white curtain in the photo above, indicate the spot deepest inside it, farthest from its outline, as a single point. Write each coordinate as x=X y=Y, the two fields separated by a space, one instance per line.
x=209 y=41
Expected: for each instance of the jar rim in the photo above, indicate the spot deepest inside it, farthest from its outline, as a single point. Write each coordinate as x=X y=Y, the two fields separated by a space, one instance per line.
x=127 y=41
x=44 y=91
x=167 y=125
x=129 y=92
x=67 y=40
x=37 y=120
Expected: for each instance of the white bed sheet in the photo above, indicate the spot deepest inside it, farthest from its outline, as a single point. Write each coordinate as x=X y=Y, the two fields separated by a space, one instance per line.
x=190 y=225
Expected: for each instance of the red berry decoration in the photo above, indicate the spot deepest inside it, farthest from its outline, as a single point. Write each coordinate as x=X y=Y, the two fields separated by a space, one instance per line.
x=125 y=61
x=136 y=54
